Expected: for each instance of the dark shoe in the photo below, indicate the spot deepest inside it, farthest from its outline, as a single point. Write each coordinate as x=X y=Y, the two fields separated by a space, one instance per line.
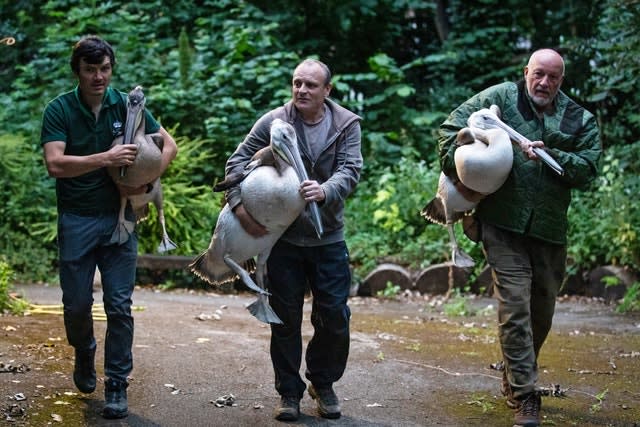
x=84 y=371
x=528 y=411
x=115 y=397
x=289 y=409
x=505 y=389
x=328 y=405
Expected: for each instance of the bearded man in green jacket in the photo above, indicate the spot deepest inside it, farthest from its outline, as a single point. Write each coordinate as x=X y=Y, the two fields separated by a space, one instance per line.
x=523 y=225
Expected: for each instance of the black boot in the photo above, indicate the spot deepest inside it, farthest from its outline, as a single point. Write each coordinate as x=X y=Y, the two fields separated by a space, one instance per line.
x=84 y=371
x=115 y=396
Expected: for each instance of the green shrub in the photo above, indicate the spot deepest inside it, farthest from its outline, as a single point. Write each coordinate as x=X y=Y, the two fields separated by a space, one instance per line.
x=384 y=223
x=191 y=211
x=7 y=302
x=27 y=209
x=604 y=222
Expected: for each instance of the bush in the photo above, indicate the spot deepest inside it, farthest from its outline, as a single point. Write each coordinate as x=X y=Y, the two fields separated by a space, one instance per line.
x=384 y=223
x=28 y=210
x=605 y=221
x=7 y=302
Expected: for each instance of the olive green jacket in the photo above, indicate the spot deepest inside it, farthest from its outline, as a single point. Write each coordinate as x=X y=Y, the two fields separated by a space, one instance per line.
x=534 y=200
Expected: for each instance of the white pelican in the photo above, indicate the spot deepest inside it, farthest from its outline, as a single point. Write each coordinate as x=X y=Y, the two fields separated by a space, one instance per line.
x=269 y=191
x=483 y=160
x=144 y=168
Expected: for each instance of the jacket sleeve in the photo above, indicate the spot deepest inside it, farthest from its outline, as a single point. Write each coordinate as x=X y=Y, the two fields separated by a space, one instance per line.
x=581 y=162
x=257 y=138
x=348 y=165
x=449 y=130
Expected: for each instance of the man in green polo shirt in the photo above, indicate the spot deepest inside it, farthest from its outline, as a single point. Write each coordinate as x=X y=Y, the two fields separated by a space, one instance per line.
x=78 y=129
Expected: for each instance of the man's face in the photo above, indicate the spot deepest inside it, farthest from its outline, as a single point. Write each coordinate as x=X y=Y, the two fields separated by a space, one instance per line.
x=543 y=77
x=94 y=79
x=308 y=89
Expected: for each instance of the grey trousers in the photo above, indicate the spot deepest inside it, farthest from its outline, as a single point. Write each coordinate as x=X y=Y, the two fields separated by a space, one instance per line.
x=528 y=274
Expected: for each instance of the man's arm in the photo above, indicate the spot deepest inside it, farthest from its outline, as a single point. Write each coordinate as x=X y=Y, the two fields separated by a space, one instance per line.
x=61 y=165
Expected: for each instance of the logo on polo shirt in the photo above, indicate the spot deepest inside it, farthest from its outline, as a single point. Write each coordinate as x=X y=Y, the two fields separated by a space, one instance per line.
x=116 y=128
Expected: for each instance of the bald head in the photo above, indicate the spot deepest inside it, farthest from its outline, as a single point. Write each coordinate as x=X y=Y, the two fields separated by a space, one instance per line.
x=547 y=56
x=543 y=75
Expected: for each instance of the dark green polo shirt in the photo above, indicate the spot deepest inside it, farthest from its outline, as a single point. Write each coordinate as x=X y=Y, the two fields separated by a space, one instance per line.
x=68 y=119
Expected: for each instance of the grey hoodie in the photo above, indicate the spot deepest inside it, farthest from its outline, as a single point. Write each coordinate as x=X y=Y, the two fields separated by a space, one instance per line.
x=337 y=169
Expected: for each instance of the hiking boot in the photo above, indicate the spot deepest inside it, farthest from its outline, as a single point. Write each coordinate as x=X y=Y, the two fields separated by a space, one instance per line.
x=84 y=371
x=115 y=397
x=505 y=389
x=289 y=409
x=328 y=405
x=528 y=411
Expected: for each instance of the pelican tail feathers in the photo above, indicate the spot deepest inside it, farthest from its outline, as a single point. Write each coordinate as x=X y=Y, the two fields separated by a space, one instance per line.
x=204 y=267
x=435 y=212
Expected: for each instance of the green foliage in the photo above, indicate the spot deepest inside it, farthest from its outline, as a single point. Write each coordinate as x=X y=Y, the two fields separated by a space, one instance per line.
x=604 y=223
x=384 y=222
x=631 y=300
x=28 y=210
x=614 y=83
x=214 y=67
x=184 y=52
x=191 y=211
x=458 y=305
x=7 y=302
x=390 y=291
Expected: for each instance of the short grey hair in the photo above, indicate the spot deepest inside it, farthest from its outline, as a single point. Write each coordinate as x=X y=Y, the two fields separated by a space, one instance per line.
x=325 y=68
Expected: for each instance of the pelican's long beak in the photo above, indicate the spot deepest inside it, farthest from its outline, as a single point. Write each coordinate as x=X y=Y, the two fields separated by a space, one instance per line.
x=289 y=151
x=491 y=120
x=135 y=109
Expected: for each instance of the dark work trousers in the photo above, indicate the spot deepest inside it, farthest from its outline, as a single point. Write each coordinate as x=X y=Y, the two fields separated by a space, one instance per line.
x=528 y=274
x=325 y=269
x=83 y=244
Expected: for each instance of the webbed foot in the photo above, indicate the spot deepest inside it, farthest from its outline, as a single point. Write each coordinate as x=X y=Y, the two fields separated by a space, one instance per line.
x=461 y=259
x=122 y=232
x=166 y=245
x=262 y=311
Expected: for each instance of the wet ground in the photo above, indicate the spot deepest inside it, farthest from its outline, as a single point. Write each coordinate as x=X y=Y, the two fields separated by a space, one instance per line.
x=413 y=362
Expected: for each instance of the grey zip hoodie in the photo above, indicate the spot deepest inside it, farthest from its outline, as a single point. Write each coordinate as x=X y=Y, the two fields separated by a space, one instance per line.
x=337 y=169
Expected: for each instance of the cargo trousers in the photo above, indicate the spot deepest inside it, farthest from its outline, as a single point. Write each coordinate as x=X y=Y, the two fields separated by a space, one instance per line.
x=527 y=274
x=325 y=271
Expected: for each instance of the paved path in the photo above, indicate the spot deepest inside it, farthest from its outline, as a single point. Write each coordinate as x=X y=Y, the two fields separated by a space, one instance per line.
x=409 y=365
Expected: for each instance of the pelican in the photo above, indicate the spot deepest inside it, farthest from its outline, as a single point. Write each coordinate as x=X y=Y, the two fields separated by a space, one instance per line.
x=269 y=190
x=488 y=119
x=143 y=170
x=483 y=160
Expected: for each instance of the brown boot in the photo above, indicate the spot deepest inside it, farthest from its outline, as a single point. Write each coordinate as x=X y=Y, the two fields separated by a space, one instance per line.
x=528 y=411
x=288 y=410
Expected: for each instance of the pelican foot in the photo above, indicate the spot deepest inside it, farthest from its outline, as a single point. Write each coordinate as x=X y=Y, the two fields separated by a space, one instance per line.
x=461 y=259
x=122 y=232
x=262 y=311
x=166 y=245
